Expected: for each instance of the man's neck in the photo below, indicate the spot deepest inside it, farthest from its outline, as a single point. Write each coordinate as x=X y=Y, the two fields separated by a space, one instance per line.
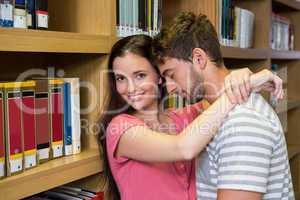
x=214 y=86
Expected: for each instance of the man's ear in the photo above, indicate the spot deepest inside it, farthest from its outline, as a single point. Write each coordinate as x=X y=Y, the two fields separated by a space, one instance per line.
x=199 y=58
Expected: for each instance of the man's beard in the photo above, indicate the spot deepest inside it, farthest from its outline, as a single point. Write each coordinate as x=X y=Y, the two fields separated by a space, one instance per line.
x=197 y=91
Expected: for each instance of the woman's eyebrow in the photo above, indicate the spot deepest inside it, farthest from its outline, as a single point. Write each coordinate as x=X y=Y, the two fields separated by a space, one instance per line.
x=139 y=71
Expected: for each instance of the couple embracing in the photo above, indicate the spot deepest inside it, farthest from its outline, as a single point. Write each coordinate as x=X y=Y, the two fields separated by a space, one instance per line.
x=233 y=148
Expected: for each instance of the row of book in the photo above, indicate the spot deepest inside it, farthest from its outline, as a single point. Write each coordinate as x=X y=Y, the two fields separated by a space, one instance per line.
x=32 y=14
x=236 y=25
x=138 y=17
x=283 y=33
x=39 y=121
x=68 y=193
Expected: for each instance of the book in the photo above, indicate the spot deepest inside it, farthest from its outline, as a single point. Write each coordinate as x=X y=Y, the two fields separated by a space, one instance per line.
x=20 y=17
x=6 y=13
x=42 y=118
x=2 y=139
x=75 y=113
x=13 y=127
x=30 y=14
x=68 y=147
x=56 y=116
x=28 y=124
x=41 y=13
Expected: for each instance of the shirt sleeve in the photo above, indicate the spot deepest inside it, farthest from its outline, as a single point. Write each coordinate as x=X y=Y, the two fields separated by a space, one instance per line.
x=244 y=152
x=117 y=127
x=189 y=112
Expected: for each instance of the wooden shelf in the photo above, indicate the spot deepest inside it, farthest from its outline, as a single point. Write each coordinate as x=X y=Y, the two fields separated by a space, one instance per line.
x=291 y=104
x=25 y=40
x=293 y=150
x=285 y=55
x=51 y=174
x=289 y=3
x=240 y=53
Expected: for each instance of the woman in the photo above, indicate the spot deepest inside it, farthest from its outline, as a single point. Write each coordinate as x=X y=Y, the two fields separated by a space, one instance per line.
x=147 y=156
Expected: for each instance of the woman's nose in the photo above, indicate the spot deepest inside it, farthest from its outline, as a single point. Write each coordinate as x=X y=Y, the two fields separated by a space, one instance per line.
x=131 y=86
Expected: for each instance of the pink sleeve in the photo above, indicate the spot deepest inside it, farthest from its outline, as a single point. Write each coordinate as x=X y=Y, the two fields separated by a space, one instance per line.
x=184 y=116
x=116 y=128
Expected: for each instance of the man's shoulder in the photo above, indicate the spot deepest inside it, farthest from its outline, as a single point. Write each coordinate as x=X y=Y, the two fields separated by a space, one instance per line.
x=253 y=120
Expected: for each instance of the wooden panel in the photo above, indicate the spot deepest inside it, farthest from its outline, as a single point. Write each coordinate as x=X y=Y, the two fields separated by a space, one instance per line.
x=286 y=55
x=20 y=40
x=289 y=3
x=89 y=16
x=51 y=174
x=239 y=53
x=262 y=29
x=171 y=8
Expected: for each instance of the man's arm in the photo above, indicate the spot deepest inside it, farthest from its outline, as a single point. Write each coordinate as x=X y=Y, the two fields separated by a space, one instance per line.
x=224 y=194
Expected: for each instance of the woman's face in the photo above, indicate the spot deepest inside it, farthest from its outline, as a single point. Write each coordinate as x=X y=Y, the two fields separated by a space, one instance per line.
x=136 y=81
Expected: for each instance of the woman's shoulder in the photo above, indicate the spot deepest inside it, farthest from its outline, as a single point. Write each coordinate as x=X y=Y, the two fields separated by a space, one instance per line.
x=122 y=122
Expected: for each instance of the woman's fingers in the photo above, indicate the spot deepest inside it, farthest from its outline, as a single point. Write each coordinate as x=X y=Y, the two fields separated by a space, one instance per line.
x=228 y=90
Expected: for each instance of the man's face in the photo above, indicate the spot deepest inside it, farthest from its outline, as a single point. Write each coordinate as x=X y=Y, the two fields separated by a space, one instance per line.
x=182 y=78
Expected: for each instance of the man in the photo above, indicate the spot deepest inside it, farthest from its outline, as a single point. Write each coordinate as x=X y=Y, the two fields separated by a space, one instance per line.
x=248 y=158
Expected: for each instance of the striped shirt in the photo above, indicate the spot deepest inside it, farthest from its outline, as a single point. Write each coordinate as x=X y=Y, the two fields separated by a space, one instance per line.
x=249 y=153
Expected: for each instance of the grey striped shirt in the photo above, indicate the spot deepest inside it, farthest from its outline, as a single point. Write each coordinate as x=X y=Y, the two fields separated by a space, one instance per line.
x=249 y=153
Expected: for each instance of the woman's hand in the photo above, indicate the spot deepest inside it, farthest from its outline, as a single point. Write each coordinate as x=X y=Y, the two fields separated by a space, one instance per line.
x=267 y=81
x=237 y=85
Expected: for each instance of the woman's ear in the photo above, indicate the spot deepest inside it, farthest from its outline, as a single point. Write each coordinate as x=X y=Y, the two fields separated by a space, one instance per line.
x=199 y=58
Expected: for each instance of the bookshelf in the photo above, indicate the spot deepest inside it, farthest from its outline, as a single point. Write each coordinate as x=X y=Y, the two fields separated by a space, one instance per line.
x=77 y=42
x=52 y=174
x=52 y=41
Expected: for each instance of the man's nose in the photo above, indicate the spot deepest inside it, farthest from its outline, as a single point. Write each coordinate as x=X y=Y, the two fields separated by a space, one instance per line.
x=171 y=86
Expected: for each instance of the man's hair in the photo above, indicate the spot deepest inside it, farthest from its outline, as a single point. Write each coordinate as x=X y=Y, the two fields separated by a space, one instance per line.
x=186 y=32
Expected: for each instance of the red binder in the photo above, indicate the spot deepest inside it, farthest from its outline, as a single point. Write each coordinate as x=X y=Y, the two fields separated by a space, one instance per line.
x=42 y=120
x=13 y=115
x=28 y=119
x=56 y=105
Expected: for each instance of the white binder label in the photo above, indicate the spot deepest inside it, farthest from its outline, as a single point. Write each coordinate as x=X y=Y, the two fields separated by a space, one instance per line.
x=42 y=20
x=57 y=150
x=30 y=161
x=20 y=21
x=2 y=170
x=44 y=153
x=6 y=11
x=68 y=150
x=15 y=165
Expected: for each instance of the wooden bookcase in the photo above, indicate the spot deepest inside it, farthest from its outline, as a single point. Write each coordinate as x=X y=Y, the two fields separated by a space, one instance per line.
x=261 y=56
x=77 y=43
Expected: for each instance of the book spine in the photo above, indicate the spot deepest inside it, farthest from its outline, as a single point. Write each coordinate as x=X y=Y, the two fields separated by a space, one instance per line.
x=20 y=19
x=56 y=105
x=41 y=11
x=14 y=131
x=75 y=116
x=42 y=125
x=68 y=147
x=28 y=121
x=2 y=139
x=6 y=13
x=30 y=15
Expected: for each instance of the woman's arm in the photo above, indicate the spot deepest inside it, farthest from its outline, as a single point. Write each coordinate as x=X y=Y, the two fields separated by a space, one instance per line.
x=143 y=144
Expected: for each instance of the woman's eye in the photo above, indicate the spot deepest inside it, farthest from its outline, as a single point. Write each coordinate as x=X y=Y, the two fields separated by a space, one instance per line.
x=141 y=76
x=120 y=78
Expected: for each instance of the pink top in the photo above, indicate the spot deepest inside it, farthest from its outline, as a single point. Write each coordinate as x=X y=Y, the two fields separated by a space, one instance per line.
x=138 y=180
